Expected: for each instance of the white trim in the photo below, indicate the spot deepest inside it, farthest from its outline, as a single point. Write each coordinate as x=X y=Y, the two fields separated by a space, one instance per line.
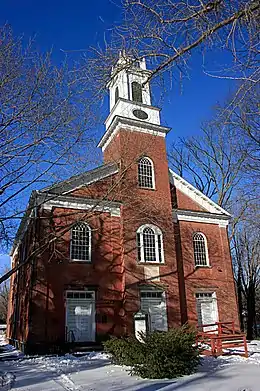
x=196 y=195
x=200 y=217
x=96 y=205
x=153 y=175
x=134 y=105
x=90 y=243
x=206 y=249
x=157 y=232
x=132 y=125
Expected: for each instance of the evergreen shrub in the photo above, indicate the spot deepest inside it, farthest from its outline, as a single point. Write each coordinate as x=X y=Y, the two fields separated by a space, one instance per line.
x=163 y=354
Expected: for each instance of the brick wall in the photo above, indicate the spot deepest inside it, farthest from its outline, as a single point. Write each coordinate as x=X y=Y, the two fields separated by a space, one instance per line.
x=114 y=272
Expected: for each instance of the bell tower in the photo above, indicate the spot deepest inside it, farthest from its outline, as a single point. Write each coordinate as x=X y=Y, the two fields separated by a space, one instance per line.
x=131 y=109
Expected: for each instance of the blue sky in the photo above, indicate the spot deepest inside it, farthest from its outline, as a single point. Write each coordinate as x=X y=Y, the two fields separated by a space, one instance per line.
x=75 y=25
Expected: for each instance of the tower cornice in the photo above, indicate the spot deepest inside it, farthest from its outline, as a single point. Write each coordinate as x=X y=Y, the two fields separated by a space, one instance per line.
x=131 y=125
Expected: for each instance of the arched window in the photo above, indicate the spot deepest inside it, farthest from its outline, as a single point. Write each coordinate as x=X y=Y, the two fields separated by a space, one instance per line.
x=146 y=173
x=116 y=94
x=150 y=244
x=137 y=92
x=200 y=248
x=80 y=242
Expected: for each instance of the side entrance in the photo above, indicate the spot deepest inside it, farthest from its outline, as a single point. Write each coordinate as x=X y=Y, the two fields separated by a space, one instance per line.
x=80 y=316
x=207 y=309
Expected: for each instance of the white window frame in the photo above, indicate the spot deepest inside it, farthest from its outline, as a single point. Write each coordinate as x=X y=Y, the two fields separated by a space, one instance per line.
x=153 y=176
x=206 y=249
x=157 y=233
x=89 y=247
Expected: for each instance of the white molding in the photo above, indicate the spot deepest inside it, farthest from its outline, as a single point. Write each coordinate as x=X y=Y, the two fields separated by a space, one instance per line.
x=95 y=205
x=196 y=195
x=200 y=217
x=124 y=108
x=131 y=125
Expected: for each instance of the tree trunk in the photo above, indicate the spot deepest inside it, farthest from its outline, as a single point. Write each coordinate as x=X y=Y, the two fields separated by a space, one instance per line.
x=240 y=299
x=250 y=311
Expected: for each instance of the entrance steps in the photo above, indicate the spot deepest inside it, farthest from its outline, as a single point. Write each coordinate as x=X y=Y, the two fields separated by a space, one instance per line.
x=78 y=349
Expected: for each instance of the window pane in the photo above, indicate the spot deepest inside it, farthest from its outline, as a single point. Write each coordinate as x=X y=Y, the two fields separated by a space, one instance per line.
x=80 y=242
x=137 y=92
x=116 y=94
x=145 y=173
x=160 y=247
x=199 y=246
x=149 y=245
x=138 y=247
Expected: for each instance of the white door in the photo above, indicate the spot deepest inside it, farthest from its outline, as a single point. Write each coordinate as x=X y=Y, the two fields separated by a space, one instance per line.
x=207 y=310
x=154 y=304
x=80 y=316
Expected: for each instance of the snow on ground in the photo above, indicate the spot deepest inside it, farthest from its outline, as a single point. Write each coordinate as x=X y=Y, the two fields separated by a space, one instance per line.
x=94 y=372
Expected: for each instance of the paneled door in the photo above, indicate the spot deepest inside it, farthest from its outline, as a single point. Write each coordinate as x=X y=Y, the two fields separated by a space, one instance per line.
x=207 y=309
x=80 y=316
x=154 y=304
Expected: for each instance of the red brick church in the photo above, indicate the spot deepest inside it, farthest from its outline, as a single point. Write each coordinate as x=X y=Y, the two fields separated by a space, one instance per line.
x=129 y=236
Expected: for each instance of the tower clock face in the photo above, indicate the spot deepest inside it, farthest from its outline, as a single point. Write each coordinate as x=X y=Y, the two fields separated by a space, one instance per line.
x=140 y=114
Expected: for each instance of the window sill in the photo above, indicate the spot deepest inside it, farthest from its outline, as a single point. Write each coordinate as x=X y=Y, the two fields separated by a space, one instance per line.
x=146 y=188
x=203 y=267
x=79 y=261
x=151 y=263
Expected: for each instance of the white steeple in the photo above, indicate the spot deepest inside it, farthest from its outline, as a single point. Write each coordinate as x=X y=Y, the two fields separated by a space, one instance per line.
x=130 y=102
x=129 y=93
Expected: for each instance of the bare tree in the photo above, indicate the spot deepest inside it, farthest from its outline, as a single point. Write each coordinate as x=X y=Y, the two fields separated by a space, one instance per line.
x=224 y=158
x=4 y=295
x=246 y=260
x=45 y=121
x=168 y=32
x=223 y=162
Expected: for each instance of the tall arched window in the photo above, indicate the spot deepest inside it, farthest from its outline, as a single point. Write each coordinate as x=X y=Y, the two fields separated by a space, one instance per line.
x=80 y=242
x=150 y=244
x=146 y=173
x=137 y=92
x=200 y=248
x=116 y=94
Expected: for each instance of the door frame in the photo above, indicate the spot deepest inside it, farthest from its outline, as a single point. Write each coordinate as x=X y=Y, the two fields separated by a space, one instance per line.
x=93 y=328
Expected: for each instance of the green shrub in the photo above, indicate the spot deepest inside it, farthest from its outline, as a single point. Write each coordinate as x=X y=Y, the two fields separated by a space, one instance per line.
x=169 y=354
x=125 y=351
x=162 y=355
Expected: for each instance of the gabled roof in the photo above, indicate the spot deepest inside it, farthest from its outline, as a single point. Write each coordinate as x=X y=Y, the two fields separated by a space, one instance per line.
x=196 y=195
x=85 y=178
x=60 y=189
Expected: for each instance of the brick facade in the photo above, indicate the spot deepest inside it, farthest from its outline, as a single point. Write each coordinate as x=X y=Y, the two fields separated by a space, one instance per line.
x=114 y=206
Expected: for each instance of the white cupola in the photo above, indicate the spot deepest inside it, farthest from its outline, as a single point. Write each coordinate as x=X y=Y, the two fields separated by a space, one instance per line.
x=130 y=102
x=129 y=93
